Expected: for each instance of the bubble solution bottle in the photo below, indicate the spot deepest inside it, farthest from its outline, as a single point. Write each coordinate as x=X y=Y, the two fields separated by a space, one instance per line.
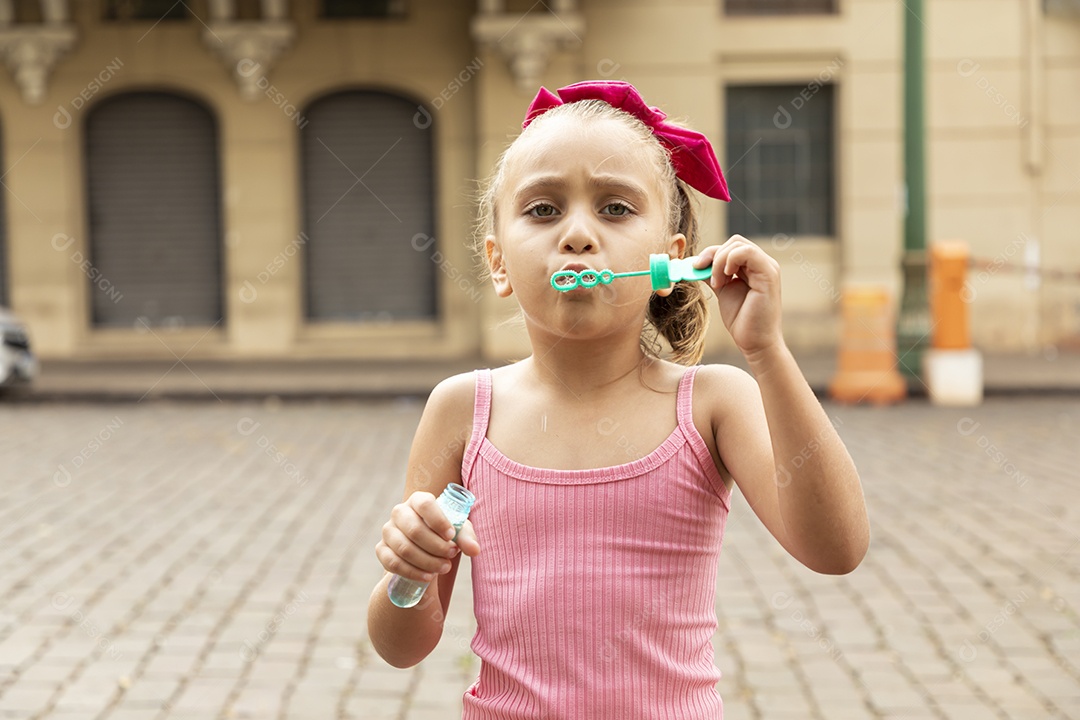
x=456 y=502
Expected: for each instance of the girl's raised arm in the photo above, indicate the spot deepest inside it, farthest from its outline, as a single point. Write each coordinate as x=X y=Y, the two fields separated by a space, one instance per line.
x=772 y=434
x=415 y=540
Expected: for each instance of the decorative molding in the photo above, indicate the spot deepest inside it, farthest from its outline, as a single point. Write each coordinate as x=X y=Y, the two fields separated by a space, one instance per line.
x=528 y=42
x=249 y=49
x=31 y=51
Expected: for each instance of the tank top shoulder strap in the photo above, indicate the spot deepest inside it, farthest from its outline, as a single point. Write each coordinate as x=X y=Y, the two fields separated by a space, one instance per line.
x=685 y=400
x=481 y=413
x=685 y=413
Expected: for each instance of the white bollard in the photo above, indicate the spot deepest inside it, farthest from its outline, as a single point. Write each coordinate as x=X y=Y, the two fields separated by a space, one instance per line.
x=954 y=377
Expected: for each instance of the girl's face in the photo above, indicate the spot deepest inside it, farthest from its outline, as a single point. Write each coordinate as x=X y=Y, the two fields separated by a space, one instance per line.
x=580 y=195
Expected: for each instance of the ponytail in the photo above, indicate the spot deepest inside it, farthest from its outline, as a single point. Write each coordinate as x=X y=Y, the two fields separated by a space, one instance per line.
x=683 y=316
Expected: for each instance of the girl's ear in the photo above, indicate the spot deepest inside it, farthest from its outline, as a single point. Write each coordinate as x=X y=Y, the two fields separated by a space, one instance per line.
x=677 y=246
x=497 y=267
x=675 y=249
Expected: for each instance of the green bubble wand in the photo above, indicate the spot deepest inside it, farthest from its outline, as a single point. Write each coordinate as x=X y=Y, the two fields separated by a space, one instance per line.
x=663 y=271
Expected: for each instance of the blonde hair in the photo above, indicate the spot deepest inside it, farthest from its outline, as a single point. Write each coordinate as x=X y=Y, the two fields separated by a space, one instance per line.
x=680 y=318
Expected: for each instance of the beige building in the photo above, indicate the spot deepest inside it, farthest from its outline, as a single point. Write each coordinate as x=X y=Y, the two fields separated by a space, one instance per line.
x=274 y=179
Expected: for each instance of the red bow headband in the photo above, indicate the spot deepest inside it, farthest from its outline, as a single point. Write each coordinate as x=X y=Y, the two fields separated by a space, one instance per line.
x=692 y=156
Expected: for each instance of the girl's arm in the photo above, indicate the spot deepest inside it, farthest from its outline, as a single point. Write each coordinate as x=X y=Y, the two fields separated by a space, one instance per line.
x=772 y=434
x=414 y=539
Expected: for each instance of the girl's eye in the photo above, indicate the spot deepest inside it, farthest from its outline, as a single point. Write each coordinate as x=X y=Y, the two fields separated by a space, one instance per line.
x=616 y=209
x=541 y=210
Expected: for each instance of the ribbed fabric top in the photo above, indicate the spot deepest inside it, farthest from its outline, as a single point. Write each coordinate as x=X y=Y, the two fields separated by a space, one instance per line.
x=594 y=591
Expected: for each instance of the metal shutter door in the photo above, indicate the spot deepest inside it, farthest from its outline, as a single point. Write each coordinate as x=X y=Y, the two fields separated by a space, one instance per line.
x=152 y=184
x=3 y=233
x=368 y=192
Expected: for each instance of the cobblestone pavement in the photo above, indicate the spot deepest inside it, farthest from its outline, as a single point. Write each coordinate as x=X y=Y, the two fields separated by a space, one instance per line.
x=211 y=560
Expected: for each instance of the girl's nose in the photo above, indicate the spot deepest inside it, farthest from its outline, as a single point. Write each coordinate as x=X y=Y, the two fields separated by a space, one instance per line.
x=579 y=235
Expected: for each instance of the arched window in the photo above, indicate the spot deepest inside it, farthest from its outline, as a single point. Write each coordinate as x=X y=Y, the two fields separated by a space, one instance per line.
x=154 y=212
x=368 y=200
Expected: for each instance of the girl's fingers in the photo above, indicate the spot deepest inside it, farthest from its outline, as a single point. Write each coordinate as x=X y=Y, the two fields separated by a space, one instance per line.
x=410 y=537
x=407 y=549
x=466 y=540
x=394 y=564
x=741 y=259
x=705 y=257
x=402 y=557
x=409 y=521
x=429 y=511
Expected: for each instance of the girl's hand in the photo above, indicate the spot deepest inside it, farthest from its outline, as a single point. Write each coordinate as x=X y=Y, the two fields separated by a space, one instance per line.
x=749 y=301
x=416 y=539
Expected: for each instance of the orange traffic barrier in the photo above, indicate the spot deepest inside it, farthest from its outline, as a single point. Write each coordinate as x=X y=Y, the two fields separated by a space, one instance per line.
x=948 y=269
x=952 y=369
x=866 y=367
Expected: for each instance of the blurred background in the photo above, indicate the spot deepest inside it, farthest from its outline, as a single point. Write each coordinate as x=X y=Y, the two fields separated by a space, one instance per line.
x=276 y=181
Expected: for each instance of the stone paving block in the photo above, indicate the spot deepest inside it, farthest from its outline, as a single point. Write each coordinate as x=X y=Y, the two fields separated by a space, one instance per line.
x=256 y=702
x=773 y=702
x=150 y=692
x=27 y=696
x=204 y=695
x=373 y=706
x=86 y=699
x=280 y=672
x=169 y=665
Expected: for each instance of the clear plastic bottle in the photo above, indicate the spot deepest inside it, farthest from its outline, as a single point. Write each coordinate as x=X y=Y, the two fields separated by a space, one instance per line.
x=456 y=502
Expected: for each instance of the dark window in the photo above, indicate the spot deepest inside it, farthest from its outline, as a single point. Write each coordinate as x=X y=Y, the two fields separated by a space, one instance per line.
x=779 y=7
x=27 y=11
x=363 y=8
x=154 y=212
x=145 y=10
x=780 y=155
x=369 y=219
x=3 y=233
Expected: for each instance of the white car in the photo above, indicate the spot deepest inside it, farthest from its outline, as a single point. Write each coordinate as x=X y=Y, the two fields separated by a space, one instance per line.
x=17 y=363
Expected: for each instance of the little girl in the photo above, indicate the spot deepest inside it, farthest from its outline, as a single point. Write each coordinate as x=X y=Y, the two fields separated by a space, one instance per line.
x=603 y=472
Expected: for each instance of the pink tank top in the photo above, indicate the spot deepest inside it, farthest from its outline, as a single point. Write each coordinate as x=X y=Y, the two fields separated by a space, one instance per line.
x=594 y=591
